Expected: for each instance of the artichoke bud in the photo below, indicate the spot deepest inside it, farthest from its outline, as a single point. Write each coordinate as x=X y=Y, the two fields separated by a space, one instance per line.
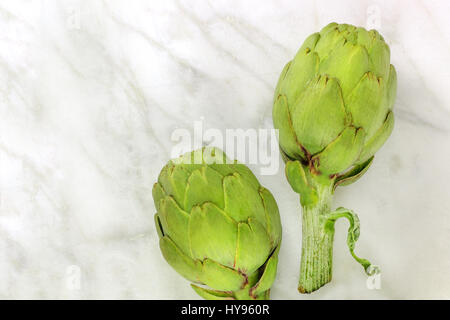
x=333 y=102
x=217 y=226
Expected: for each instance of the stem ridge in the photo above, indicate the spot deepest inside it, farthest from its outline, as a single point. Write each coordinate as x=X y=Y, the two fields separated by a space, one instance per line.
x=318 y=223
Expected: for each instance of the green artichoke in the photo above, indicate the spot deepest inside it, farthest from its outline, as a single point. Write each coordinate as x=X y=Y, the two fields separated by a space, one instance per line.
x=333 y=108
x=217 y=225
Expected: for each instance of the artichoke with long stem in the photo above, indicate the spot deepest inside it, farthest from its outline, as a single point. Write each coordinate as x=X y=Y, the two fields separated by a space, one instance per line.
x=333 y=108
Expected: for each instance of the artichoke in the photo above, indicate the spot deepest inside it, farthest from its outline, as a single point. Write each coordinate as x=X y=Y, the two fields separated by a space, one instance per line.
x=333 y=108
x=217 y=225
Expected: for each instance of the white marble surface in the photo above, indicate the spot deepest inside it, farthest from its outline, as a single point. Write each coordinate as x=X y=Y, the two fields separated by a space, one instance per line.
x=90 y=92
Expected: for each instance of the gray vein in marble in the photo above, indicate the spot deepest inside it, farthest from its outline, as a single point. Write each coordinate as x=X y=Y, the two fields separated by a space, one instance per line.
x=10 y=16
x=157 y=45
x=220 y=48
x=414 y=116
x=246 y=30
x=435 y=26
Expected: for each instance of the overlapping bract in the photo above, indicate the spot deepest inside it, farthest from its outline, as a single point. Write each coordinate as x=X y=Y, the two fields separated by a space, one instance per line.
x=218 y=226
x=333 y=102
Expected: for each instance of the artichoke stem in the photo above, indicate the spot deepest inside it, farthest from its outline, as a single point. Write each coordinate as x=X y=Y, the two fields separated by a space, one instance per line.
x=317 y=242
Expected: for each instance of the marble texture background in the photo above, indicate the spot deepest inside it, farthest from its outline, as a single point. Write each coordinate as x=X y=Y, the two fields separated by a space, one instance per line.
x=90 y=92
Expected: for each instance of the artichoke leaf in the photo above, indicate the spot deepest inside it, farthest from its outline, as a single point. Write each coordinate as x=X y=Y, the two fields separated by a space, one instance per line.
x=184 y=265
x=342 y=152
x=378 y=139
x=287 y=138
x=190 y=161
x=297 y=178
x=242 y=201
x=309 y=43
x=379 y=55
x=329 y=38
x=174 y=221
x=284 y=156
x=392 y=88
x=329 y=27
x=347 y=63
x=246 y=174
x=251 y=235
x=173 y=180
x=158 y=226
x=268 y=276
x=158 y=194
x=280 y=80
x=204 y=185
x=301 y=70
x=212 y=234
x=353 y=174
x=212 y=294
x=319 y=115
x=365 y=103
x=364 y=38
x=272 y=216
x=220 y=277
